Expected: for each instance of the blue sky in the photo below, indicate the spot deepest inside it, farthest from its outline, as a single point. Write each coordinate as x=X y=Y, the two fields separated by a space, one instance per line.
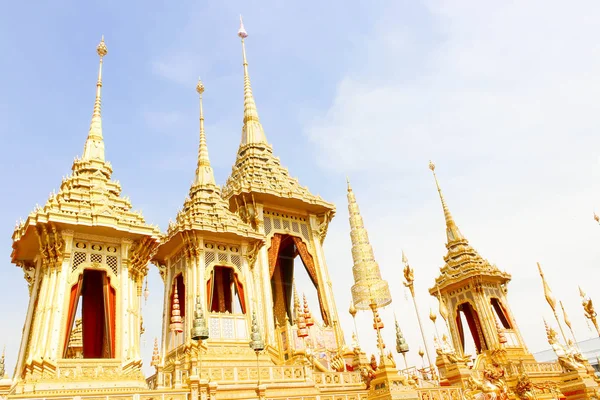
x=503 y=97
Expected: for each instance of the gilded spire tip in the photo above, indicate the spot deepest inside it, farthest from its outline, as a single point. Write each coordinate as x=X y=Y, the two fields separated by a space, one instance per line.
x=204 y=172
x=242 y=31
x=452 y=231
x=94 y=145
x=348 y=184
x=200 y=86
x=252 y=131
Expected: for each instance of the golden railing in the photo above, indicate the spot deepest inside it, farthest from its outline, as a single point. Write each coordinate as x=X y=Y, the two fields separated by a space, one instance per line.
x=446 y=393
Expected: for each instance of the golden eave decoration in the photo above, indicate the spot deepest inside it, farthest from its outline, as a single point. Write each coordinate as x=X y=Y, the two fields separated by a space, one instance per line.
x=256 y=170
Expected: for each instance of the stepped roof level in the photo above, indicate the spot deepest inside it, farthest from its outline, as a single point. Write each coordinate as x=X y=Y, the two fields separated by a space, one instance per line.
x=462 y=261
x=204 y=209
x=256 y=170
x=88 y=199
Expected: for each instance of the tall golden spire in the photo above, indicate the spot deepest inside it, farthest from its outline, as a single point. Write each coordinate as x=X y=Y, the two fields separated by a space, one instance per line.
x=368 y=285
x=94 y=145
x=204 y=172
x=452 y=231
x=252 y=131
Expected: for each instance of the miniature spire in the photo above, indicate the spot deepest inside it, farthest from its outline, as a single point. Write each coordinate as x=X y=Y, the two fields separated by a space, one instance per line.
x=252 y=131
x=296 y=301
x=204 y=172
x=155 y=354
x=401 y=345
x=368 y=285
x=256 y=342
x=94 y=145
x=176 y=323
x=452 y=231
x=307 y=314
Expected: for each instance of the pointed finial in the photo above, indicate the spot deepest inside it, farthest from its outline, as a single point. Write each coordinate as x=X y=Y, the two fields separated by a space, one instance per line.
x=252 y=131
x=581 y=292
x=432 y=315
x=452 y=231
x=204 y=172
x=348 y=184
x=94 y=145
x=404 y=259
x=352 y=309
x=565 y=316
x=547 y=292
x=155 y=354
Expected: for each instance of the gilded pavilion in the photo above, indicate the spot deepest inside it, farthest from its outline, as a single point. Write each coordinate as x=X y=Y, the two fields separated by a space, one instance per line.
x=233 y=323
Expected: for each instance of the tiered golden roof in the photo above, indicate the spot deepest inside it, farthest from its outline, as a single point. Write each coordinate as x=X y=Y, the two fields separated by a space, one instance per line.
x=369 y=288
x=256 y=169
x=204 y=209
x=88 y=198
x=462 y=260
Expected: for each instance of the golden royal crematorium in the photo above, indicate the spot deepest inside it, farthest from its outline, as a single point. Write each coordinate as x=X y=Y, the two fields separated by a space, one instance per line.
x=234 y=326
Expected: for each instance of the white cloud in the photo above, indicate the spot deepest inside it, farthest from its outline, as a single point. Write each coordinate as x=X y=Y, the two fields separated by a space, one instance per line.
x=505 y=101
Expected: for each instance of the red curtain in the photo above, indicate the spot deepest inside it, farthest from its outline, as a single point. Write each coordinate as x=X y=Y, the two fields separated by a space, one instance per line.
x=474 y=327
x=274 y=252
x=309 y=264
x=502 y=314
x=93 y=314
x=181 y=293
x=240 y=290
x=73 y=300
x=110 y=315
x=209 y=290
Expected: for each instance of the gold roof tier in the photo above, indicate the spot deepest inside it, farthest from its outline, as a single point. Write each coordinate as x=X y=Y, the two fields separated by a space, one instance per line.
x=257 y=170
x=462 y=261
x=204 y=209
x=369 y=288
x=88 y=198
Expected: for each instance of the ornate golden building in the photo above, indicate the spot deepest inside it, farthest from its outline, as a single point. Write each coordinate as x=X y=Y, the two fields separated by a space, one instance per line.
x=233 y=324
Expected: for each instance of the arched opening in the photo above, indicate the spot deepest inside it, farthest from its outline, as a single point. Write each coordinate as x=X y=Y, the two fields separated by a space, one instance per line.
x=282 y=253
x=91 y=317
x=225 y=291
x=501 y=313
x=465 y=312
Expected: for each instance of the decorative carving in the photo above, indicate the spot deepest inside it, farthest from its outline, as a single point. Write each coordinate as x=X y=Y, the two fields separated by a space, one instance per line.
x=324 y=220
x=251 y=253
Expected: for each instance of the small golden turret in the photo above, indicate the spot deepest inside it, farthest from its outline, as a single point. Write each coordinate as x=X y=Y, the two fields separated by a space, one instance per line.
x=155 y=354
x=176 y=321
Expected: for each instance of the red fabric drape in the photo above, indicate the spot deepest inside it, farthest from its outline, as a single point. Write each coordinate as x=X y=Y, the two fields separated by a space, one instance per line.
x=93 y=314
x=209 y=290
x=73 y=300
x=309 y=264
x=501 y=313
x=240 y=289
x=274 y=252
x=473 y=321
x=307 y=259
x=181 y=293
x=110 y=315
